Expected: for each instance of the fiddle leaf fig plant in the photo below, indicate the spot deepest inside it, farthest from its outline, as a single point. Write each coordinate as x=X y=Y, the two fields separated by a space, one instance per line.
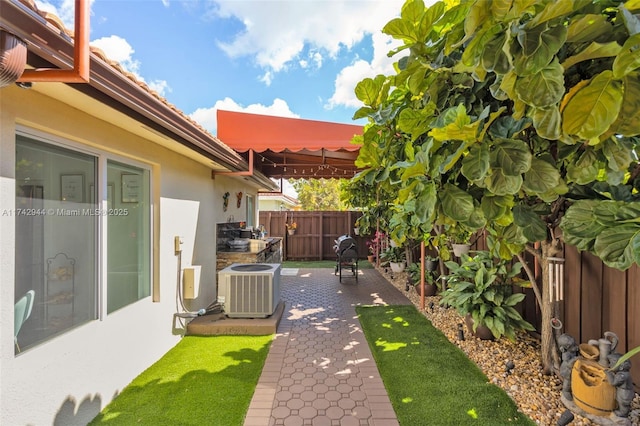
x=514 y=117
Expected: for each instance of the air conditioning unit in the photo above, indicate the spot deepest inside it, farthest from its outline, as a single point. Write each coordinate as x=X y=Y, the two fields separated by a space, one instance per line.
x=249 y=290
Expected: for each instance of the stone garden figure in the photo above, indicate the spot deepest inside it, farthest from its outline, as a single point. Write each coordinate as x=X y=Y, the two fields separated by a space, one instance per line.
x=569 y=350
x=621 y=379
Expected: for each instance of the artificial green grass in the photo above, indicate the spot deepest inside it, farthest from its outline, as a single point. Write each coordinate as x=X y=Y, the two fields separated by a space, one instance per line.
x=201 y=381
x=362 y=264
x=429 y=380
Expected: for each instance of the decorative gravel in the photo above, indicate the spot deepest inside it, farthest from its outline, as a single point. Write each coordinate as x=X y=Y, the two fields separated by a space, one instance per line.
x=537 y=395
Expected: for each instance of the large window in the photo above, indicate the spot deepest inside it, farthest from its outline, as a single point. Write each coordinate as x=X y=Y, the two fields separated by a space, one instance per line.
x=67 y=203
x=251 y=211
x=128 y=240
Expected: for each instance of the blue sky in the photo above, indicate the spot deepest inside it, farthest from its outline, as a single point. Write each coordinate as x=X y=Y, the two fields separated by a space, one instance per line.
x=292 y=58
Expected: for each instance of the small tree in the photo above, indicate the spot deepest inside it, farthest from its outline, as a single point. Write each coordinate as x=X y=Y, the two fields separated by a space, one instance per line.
x=319 y=194
x=515 y=117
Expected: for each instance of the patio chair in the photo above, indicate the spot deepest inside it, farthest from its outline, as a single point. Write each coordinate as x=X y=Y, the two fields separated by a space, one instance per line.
x=22 y=311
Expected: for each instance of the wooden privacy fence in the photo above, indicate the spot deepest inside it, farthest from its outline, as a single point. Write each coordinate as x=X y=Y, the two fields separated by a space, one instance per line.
x=315 y=233
x=596 y=298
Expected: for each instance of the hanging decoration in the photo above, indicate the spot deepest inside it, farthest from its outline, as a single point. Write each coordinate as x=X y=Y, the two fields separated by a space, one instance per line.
x=239 y=198
x=225 y=201
x=556 y=278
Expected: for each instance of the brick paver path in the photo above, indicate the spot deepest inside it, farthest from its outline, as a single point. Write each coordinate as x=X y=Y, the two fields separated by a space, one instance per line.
x=320 y=371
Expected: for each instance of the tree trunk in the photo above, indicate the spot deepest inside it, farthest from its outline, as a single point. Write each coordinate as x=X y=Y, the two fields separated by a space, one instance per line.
x=549 y=353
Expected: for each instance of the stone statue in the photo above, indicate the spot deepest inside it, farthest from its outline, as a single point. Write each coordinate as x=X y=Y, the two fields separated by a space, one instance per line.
x=621 y=379
x=569 y=350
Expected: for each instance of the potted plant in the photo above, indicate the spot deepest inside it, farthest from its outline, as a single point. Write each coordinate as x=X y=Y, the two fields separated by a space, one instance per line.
x=356 y=227
x=371 y=247
x=459 y=237
x=430 y=277
x=396 y=258
x=291 y=227
x=374 y=245
x=482 y=291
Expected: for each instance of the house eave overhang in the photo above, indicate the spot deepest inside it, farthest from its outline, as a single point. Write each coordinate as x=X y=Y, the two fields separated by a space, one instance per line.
x=50 y=46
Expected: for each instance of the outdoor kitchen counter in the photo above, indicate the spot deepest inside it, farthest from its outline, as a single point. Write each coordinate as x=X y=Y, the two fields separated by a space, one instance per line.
x=258 y=251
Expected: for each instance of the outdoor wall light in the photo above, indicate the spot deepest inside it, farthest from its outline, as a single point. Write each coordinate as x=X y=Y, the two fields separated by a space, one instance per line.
x=460 y=332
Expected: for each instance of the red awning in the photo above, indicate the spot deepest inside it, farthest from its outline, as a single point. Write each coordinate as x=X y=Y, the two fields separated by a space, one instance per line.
x=291 y=147
x=242 y=131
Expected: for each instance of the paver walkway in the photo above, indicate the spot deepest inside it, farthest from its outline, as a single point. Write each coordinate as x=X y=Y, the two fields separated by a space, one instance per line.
x=320 y=370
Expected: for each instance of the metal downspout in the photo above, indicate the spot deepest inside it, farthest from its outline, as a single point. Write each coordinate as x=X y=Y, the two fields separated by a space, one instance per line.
x=239 y=173
x=81 y=54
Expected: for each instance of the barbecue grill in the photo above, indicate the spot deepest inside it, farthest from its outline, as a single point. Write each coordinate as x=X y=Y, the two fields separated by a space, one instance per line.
x=347 y=255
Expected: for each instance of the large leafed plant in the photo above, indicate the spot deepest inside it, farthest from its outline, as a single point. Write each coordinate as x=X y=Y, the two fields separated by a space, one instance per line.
x=518 y=117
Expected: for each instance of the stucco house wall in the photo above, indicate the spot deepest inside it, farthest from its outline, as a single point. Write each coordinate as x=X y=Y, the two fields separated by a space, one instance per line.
x=277 y=202
x=68 y=379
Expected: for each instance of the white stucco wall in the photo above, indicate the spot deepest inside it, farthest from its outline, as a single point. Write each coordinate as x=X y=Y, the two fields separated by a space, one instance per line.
x=70 y=378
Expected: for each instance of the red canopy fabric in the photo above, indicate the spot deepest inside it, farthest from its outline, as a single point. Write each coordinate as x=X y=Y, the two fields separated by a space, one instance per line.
x=242 y=131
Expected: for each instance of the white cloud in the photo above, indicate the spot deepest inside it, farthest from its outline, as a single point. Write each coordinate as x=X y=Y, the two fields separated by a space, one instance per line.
x=118 y=49
x=348 y=77
x=160 y=86
x=65 y=10
x=207 y=116
x=276 y=33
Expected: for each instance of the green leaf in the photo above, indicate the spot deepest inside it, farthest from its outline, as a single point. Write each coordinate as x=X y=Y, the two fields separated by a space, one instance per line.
x=479 y=13
x=460 y=128
x=619 y=157
x=494 y=207
x=412 y=10
x=593 y=108
x=401 y=28
x=553 y=10
x=514 y=299
x=412 y=170
x=628 y=212
x=426 y=203
x=544 y=88
x=618 y=247
x=476 y=219
x=628 y=123
x=368 y=90
x=416 y=122
x=585 y=170
x=548 y=122
x=541 y=177
x=456 y=203
x=625 y=357
x=533 y=228
x=475 y=165
x=472 y=53
x=430 y=16
x=539 y=46
x=593 y=51
x=501 y=184
x=629 y=58
x=494 y=58
x=512 y=156
x=506 y=127
x=587 y=28
x=580 y=225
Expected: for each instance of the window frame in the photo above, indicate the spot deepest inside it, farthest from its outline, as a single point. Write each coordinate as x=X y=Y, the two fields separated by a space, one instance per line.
x=102 y=156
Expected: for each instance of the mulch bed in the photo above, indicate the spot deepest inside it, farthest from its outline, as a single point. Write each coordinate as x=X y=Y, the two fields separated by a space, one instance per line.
x=537 y=395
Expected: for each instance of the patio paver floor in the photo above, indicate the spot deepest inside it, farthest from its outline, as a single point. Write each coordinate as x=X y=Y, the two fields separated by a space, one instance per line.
x=320 y=370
